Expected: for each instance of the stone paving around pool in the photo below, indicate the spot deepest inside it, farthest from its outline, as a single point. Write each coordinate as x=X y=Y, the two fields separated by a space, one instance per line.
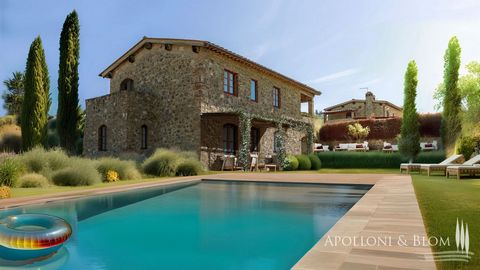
x=379 y=232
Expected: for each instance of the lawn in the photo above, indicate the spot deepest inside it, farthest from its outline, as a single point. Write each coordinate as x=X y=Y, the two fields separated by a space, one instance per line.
x=442 y=201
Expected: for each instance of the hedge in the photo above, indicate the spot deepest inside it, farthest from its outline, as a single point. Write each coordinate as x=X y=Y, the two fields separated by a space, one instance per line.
x=381 y=129
x=340 y=160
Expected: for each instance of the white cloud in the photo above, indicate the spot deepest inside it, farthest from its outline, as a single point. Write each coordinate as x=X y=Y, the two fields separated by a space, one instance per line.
x=336 y=75
x=259 y=51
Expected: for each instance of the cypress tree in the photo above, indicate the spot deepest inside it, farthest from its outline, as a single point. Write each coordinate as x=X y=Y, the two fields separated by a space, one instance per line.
x=68 y=108
x=409 y=144
x=451 y=120
x=34 y=117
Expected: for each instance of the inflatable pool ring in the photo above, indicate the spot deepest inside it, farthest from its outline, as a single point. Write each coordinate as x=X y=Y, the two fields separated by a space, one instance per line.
x=29 y=236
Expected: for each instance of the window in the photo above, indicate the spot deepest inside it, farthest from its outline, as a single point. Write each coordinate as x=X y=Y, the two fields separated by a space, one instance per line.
x=254 y=139
x=126 y=85
x=349 y=114
x=102 y=138
x=229 y=82
x=253 y=90
x=144 y=137
x=276 y=97
x=229 y=138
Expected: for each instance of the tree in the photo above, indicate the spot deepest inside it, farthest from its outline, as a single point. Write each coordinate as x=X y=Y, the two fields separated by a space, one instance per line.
x=13 y=96
x=409 y=144
x=34 y=117
x=451 y=120
x=357 y=131
x=68 y=109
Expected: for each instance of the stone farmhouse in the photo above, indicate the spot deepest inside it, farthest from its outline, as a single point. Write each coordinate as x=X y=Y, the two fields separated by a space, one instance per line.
x=362 y=108
x=191 y=95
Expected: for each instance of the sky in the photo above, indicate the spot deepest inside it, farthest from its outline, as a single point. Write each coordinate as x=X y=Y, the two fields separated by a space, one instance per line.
x=337 y=47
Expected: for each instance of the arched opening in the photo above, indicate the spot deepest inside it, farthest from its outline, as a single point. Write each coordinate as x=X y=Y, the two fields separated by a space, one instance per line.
x=144 y=133
x=102 y=138
x=126 y=85
x=230 y=134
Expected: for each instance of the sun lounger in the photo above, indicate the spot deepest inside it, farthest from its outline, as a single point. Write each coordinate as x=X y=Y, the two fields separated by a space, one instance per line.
x=415 y=167
x=389 y=148
x=470 y=168
x=442 y=166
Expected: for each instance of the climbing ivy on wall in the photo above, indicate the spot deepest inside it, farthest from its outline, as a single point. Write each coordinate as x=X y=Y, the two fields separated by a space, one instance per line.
x=245 y=126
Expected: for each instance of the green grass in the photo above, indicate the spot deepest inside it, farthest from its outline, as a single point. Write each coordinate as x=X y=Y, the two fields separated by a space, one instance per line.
x=441 y=202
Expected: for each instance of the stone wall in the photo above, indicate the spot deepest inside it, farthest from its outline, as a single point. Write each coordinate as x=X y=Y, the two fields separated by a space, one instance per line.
x=172 y=89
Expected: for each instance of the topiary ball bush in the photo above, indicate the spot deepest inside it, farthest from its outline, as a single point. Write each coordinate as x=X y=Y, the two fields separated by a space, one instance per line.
x=303 y=162
x=32 y=180
x=291 y=163
x=315 y=161
x=189 y=167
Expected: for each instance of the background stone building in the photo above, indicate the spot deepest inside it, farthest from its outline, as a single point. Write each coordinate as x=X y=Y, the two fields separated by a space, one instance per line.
x=188 y=94
x=362 y=108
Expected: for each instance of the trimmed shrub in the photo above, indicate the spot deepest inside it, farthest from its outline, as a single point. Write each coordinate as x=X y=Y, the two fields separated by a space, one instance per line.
x=111 y=176
x=11 y=142
x=127 y=170
x=83 y=174
x=32 y=180
x=189 y=167
x=162 y=163
x=303 y=162
x=5 y=192
x=291 y=163
x=316 y=162
x=374 y=159
x=466 y=146
x=10 y=170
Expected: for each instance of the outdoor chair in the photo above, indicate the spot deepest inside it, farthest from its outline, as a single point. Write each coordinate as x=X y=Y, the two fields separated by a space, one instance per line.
x=254 y=163
x=230 y=163
x=389 y=148
x=429 y=146
x=442 y=166
x=470 y=168
x=415 y=167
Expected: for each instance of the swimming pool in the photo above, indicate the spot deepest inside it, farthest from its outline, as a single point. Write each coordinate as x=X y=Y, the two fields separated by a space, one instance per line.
x=206 y=225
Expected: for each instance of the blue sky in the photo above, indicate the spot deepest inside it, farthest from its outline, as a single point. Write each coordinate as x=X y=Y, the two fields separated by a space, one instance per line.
x=337 y=47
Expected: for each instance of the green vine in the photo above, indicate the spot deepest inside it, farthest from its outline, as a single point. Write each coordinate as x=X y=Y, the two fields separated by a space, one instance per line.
x=245 y=126
x=244 y=151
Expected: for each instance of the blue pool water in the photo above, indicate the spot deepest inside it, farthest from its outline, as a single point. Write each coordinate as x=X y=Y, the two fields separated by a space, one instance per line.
x=209 y=225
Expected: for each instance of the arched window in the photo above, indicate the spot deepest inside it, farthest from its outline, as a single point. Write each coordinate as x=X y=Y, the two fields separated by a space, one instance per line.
x=102 y=138
x=144 y=137
x=229 y=138
x=126 y=85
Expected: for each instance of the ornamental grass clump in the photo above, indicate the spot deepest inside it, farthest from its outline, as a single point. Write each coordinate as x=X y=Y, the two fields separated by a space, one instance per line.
x=39 y=159
x=10 y=170
x=304 y=162
x=163 y=162
x=126 y=170
x=189 y=167
x=291 y=163
x=32 y=180
x=83 y=173
x=315 y=161
x=5 y=192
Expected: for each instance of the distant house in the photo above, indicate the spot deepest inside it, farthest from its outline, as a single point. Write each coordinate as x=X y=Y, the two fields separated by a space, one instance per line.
x=362 y=108
x=188 y=94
